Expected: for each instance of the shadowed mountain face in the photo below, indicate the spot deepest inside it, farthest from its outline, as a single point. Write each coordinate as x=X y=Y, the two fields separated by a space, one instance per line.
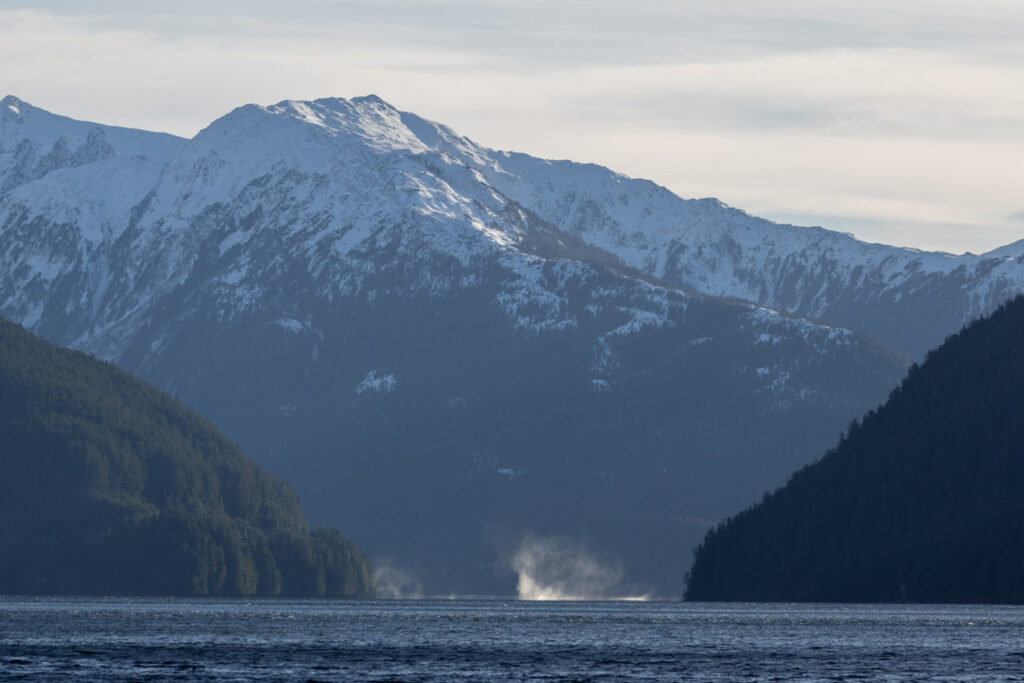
x=449 y=349
x=112 y=487
x=919 y=502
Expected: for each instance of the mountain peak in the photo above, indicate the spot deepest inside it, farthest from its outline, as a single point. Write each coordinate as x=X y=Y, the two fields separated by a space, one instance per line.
x=1013 y=250
x=368 y=119
x=336 y=105
x=371 y=99
x=12 y=105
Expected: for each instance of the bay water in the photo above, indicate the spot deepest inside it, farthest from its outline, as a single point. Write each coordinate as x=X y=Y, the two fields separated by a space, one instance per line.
x=117 y=639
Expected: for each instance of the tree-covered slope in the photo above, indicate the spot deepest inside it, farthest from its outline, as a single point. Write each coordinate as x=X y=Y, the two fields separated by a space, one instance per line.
x=111 y=486
x=923 y=501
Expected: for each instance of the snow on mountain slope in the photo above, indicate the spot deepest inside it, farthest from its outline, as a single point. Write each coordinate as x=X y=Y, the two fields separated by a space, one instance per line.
x=342 y=178
x=67 y=190
x=356 y=199
x=34 y=142
x=1010 y=251
x=338 y=198
x=112 y=246
x=908 y=297
x=368 y=162
x=332 y=184
x=270 y=270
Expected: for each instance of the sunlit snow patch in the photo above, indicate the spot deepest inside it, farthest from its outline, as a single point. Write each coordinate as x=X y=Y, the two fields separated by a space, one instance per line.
x=376 y=383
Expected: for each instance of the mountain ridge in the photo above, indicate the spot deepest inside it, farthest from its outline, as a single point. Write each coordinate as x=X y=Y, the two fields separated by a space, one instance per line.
x=707 y=246
x=408 y=322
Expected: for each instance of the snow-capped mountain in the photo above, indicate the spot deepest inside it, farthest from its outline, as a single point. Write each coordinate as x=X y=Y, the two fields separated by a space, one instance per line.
x=35 y=143
x=445 y=347
x=906 y=297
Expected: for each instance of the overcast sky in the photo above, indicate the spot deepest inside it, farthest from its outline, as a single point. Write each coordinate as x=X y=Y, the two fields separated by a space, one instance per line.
x=901 y=122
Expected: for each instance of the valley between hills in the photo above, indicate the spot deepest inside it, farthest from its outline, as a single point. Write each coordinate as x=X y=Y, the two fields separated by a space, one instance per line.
x=467 y=361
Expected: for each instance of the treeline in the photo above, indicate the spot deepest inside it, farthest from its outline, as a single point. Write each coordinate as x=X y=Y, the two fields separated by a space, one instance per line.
x=921 y=501
x=110 y=486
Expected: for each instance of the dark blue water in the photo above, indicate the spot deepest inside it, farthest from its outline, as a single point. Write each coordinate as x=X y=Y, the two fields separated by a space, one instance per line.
x=278 y=640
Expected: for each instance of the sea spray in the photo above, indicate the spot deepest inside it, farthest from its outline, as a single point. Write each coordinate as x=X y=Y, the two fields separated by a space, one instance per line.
x=396 y=582
x=560 y=568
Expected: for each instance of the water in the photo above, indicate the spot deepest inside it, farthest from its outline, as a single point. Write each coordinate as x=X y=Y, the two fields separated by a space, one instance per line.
x=278 y=640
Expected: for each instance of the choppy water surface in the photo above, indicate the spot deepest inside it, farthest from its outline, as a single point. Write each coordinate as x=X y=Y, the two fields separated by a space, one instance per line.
x=278 y=640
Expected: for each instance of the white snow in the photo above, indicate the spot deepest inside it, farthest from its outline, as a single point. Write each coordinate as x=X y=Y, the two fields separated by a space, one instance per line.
x=237 y=237
x=346 y=189
x=96 y=198
x=1010 y=251
x=292 y=325
x=40 y=266
x=376 y=382
x=41 y=132
x=639 y=319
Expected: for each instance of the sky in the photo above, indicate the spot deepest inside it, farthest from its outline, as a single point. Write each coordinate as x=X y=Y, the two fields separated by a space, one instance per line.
x=900 y=122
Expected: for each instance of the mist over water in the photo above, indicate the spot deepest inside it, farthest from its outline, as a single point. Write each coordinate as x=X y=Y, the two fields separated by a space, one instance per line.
x=547 y=568
x=560 y=568
x=396 y=582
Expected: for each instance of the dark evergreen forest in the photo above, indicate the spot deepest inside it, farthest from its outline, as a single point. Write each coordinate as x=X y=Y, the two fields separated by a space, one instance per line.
x=111 y=486
x=921 y=501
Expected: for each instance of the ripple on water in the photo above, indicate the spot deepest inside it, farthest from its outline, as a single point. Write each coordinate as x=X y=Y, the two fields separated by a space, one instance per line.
x=219 y=640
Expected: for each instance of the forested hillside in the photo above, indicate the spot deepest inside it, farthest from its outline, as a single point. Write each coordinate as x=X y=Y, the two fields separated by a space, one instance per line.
x=426 y=337
x=922 y=501
x=110 y=486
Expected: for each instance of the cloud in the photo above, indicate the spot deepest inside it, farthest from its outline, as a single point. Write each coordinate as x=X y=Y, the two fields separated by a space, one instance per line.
x=580 y=32
x=888 y=116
